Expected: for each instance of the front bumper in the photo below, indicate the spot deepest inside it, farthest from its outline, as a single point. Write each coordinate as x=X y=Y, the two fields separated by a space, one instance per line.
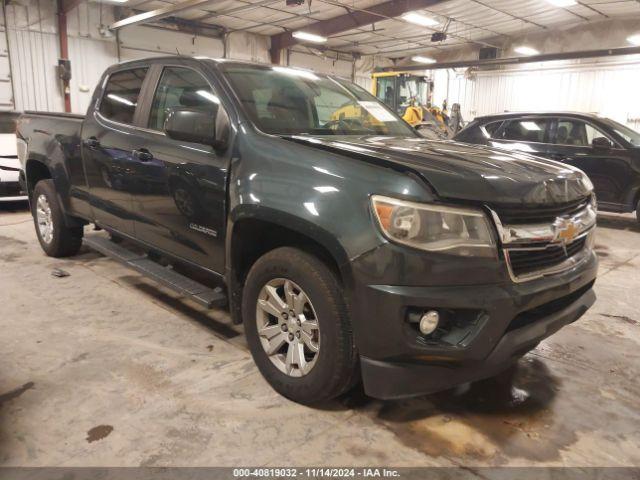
x=509 y=320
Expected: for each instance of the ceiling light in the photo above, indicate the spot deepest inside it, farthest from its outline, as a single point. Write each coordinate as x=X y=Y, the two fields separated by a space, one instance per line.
x=562 y=3
x=419 y=19
x=309 y=37
x=524 y=50
x=635 y=39
x=420 y=59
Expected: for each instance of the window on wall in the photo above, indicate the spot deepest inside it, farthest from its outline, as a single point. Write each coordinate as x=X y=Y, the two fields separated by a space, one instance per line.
x=121 y=93
x=576 y=133
x=180 y=87
x=525 y=130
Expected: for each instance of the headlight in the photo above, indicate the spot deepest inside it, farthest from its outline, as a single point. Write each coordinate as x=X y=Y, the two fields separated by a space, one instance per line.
x=435 y=228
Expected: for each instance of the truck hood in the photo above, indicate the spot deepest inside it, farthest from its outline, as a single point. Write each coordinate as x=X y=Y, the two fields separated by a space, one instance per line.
x=466 y=172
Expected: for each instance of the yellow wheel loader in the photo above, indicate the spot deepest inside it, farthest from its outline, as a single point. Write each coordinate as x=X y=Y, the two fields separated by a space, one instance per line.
x=409 y=95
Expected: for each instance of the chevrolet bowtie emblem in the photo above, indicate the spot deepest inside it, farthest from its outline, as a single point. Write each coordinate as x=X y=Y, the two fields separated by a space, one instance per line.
x=566 y=230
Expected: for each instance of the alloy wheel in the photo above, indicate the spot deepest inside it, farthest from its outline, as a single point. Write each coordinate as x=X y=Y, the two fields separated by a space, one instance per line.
x=44 y=219
x=288 y=327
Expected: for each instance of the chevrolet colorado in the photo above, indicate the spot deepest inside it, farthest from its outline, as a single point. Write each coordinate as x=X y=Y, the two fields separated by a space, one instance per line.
x=351 y=248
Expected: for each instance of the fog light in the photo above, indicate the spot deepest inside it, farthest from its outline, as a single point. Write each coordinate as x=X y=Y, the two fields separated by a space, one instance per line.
x=429 y=322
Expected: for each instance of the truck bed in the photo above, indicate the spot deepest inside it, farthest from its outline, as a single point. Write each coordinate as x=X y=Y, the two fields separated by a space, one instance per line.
x=35 y=113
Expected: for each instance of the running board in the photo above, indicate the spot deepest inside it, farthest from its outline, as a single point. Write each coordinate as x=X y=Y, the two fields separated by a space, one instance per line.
x=209 y=297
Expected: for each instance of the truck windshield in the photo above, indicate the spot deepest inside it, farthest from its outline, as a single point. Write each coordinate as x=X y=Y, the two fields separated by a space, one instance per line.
x=287 y=101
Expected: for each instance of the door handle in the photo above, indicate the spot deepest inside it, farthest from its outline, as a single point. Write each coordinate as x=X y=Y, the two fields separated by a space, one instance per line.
x=143 y=155
x=92 y=143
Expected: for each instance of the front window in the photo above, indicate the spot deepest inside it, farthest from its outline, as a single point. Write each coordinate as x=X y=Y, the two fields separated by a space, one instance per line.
x=413 y=91
x=576 y=133
x=180 y=87
x=287 y=101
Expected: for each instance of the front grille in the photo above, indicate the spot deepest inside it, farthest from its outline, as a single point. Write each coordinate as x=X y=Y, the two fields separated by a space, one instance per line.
x=524 y=262
x=529 y=215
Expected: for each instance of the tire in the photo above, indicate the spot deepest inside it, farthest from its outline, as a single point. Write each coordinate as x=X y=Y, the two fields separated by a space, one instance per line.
x=638 y=211
x=59 y=240
x=333 y=369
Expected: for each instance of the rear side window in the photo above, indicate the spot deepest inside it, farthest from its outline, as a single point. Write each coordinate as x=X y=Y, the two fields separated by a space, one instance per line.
x=121 y=93
x=525 y=130
x=492 y=128
x=471 y=134
x=180 y=87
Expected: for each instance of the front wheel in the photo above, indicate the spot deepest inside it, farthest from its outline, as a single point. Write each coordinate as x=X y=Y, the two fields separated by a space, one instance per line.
x=297 y=326
x=55 y=237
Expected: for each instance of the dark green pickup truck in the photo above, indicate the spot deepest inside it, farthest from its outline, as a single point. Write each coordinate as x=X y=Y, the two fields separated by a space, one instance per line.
x=351 y=248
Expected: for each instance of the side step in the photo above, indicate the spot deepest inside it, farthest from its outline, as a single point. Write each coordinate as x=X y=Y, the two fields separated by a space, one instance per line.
x=209 y=297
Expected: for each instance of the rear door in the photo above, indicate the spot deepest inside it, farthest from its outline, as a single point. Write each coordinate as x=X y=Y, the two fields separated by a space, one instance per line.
x=608 y=168
x=181 y=205
x=109 y=136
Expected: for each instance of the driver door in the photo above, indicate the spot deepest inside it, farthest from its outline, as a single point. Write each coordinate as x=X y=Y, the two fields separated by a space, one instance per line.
x=608 y=168
x=181 y=201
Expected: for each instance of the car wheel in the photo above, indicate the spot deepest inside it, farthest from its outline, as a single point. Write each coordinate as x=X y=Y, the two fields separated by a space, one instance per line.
x=638 y=211
x=297 y=326
x=55 y=237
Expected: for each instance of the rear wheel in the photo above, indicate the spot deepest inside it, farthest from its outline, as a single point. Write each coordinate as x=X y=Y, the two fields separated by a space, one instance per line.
x=298 y=327
x=55 y=237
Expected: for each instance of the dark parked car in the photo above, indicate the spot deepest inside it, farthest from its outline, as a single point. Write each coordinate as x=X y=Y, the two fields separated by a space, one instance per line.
x=350 y=247
x=607 y=151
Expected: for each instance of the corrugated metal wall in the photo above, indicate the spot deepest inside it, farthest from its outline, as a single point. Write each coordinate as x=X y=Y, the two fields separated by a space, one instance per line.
x=34 y=52
x=604 y=87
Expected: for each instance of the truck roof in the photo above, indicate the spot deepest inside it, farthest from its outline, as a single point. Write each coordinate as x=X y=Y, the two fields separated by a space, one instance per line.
x=164 y=58
x=544 y=113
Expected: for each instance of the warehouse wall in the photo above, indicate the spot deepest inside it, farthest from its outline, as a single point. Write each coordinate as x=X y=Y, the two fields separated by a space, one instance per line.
x=603 y=86
x=32 y=52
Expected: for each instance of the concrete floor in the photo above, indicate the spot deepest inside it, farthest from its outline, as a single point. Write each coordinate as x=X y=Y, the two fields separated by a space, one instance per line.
x=103 y=368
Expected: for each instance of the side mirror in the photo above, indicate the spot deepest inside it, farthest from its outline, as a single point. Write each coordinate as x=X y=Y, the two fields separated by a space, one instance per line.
x=192 y=125
x=601 y=143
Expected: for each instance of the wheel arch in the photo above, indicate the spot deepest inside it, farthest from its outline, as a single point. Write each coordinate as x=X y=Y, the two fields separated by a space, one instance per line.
x=35 y=170
x=252 y=234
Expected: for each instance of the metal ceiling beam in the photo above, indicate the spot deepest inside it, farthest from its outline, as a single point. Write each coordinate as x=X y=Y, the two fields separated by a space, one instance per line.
x=349 y=21
x=157 y=14
x=522 y=19
x=545 y=57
